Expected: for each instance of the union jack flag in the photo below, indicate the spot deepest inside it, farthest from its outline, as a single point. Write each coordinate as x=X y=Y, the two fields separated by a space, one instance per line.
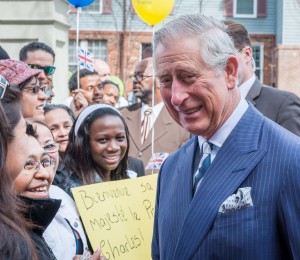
x=85 y=59
x=156 y=161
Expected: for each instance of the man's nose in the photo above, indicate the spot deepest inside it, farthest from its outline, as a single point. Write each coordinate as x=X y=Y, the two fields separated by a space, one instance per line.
x=42 y=75
x=97 y=90
x=179 y=93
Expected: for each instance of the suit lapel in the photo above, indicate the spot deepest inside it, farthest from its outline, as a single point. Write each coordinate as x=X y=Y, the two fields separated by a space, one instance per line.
x=185 y=171
x=234 y=162
x=133 y=121
x=254 y=91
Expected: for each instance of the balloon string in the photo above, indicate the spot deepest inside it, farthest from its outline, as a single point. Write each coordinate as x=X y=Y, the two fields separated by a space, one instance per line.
x=77 y=46
x=153 y=93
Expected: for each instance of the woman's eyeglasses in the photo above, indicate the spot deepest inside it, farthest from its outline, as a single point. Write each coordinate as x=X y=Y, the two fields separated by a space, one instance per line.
x=34 y=90
x=51 y=147
x=49 y=70
x=34 y=166
x=3 y=85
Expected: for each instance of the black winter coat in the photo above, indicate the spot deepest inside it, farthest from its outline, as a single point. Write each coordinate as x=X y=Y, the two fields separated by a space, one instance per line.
x=41 y=212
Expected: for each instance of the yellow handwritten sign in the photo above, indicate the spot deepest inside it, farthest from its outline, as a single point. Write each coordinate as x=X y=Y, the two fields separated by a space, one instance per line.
x=118 y=216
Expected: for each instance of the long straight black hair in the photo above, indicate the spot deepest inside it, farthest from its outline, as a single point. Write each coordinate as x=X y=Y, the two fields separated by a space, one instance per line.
x=15 y=242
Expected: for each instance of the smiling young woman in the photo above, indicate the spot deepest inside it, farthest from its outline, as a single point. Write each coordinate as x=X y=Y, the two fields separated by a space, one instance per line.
x=98 y=148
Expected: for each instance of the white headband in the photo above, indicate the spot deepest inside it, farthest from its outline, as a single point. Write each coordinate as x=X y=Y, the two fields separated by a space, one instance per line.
x=88 y=111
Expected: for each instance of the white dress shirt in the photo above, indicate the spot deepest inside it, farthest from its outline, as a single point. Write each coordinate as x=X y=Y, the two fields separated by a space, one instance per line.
x=155 y=112
x=246 y=86
x=221 y=135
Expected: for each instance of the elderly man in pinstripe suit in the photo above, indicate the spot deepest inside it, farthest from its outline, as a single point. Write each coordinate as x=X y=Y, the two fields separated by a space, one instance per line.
x=238 y=196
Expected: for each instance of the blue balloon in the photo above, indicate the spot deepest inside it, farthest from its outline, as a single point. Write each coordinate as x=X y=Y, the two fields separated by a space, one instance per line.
x=80 y=3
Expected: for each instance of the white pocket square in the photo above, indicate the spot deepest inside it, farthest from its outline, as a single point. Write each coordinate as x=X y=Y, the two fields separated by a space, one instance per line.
x=241 y=199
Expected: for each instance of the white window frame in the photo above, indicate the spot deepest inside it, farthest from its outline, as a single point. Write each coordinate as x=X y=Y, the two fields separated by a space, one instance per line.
x=235 y=14
x=94 y=12
x=72 y=63
x=261 y=59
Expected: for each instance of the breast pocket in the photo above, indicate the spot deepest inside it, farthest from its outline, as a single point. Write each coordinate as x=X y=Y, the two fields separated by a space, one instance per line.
x=235 y=217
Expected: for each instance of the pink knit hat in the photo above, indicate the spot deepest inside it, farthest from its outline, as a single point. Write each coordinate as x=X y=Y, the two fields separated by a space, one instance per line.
x=16 y=72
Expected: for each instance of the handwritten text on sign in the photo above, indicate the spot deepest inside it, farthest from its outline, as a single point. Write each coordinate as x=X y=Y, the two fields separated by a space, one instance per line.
x=118 y=216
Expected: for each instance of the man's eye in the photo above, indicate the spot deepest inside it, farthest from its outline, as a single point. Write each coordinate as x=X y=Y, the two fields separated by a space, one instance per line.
x=165 y=82
x=188 y=76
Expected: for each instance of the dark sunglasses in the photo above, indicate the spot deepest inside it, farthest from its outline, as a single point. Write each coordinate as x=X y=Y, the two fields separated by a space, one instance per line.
x=3 y=85
x=49 y=70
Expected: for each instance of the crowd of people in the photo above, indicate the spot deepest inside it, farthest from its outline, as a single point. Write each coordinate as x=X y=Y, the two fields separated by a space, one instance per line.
x=228 y=187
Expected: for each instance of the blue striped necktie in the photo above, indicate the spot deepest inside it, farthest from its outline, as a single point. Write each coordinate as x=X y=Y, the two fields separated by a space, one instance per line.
x=204 y=164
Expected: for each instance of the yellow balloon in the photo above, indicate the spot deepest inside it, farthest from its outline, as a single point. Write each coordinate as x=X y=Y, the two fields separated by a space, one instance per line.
x=153 y=11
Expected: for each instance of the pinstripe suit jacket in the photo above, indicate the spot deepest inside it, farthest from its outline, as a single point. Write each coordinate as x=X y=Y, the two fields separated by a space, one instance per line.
x=258 y=154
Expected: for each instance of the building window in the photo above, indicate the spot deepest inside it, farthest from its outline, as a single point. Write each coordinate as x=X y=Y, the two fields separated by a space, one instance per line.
x=245 y=8
x=146 y=50
x=95 y=7
x=258 y=56
x=72 y=56
x=98 y=48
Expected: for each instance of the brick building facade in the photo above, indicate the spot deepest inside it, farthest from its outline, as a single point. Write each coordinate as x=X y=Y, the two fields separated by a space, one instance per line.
x=274 y=28
x=131 y=51
x=268 y=43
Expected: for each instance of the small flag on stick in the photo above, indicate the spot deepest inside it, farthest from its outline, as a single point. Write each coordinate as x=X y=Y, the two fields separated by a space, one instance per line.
x=156 y=161
x=85 y=59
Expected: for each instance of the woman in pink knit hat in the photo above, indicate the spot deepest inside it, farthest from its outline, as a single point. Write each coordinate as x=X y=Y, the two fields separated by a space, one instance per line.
x=20 y=76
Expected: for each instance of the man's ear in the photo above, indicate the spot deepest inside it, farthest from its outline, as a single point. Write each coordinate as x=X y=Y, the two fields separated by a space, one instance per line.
x=247 y=52
x=231 y=71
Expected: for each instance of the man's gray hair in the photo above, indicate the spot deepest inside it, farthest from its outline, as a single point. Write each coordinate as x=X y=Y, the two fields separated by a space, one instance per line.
x=214 y=43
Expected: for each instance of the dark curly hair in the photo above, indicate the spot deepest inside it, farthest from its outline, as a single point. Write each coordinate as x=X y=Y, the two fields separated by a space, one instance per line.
x=82 y=73
x=35 y=46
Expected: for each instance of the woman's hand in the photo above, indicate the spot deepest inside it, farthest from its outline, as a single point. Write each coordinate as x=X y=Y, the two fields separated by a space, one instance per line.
x=88 y=256
x=79 y=102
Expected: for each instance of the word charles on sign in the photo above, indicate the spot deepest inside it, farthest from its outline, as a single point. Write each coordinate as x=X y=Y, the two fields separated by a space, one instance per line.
x=118 y=216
